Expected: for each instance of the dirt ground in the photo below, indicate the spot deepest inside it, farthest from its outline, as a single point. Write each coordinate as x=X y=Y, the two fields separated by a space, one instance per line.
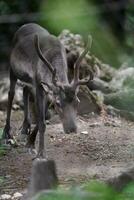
x=101 y=149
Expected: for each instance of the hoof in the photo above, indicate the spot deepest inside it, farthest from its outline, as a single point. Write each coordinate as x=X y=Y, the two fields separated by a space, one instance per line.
x=10 y=142
x=40 y=156
x=13 y=142
x=32 y=151
x=23 y=139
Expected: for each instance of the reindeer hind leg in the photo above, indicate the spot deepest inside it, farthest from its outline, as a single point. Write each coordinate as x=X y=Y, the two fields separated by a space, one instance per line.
x=26 y=123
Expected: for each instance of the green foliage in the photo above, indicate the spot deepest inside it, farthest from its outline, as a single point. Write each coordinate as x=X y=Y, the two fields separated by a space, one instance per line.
x=82 y=18
x=1 y=132
x=70 y=15
x=2 y=179
x=123 y=99
x=90 y=191
x=129 y=83
x=3 y=148
x=128 y=192
x=101 y=190
x=62 y=196
x=8 y=7
x=4 y=8
x=2 y=151
x=130 y=25
x=11 y=19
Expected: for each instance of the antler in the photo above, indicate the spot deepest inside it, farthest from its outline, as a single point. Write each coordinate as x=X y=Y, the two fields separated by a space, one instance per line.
x=37 y=47
x=41 y=56
x=76 y=80
x=48 y=64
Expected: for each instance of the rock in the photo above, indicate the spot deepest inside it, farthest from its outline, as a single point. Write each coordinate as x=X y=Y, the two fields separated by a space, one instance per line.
x=106 y=71
x=88 y=102
x=5 y=197
x=123 y=179
x=17 y=196
x=98 y=84
x=92 y=66
x=122 y=97
x=4 y=88
x=113 y=122
x=74 y=44
x=15 y=107
x=1 y=113
x=84 y=132
x=70 y=40
x=122 y=113
x=123 y=78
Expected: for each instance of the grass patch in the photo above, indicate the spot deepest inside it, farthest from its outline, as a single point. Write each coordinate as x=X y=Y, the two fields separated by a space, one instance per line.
x=2 y=179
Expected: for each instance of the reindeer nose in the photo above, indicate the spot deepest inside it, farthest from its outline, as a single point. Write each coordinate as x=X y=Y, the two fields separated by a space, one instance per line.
x=69 y=130
x=73 y=130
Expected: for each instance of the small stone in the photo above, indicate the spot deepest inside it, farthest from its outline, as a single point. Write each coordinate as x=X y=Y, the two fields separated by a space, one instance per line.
x=60 y=140
x=114 y=123
x=8 y=176
x=96 y=124
x=47 y=122
x=15 y=107
x=84 y=132
x=13 y=142
x=16 y=196
x=5 y=196
x=32 y=151
x=71 y=35
x=1 y=113
x=65 y=32
x=61 y=132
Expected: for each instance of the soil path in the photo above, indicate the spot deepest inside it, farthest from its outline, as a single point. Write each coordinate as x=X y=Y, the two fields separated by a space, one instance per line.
x=100 y=149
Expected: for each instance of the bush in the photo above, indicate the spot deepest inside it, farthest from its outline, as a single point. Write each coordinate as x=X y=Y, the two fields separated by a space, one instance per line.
x=90 y=191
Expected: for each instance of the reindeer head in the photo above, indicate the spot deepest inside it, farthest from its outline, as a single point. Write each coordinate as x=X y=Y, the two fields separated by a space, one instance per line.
x=65 y=95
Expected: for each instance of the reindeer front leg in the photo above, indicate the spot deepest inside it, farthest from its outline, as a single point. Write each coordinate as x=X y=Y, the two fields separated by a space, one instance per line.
x=41 y=103
x=6 y=131
x=32 y=136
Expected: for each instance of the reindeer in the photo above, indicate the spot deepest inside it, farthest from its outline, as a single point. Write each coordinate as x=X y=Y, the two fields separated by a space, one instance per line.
x=38 y=59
